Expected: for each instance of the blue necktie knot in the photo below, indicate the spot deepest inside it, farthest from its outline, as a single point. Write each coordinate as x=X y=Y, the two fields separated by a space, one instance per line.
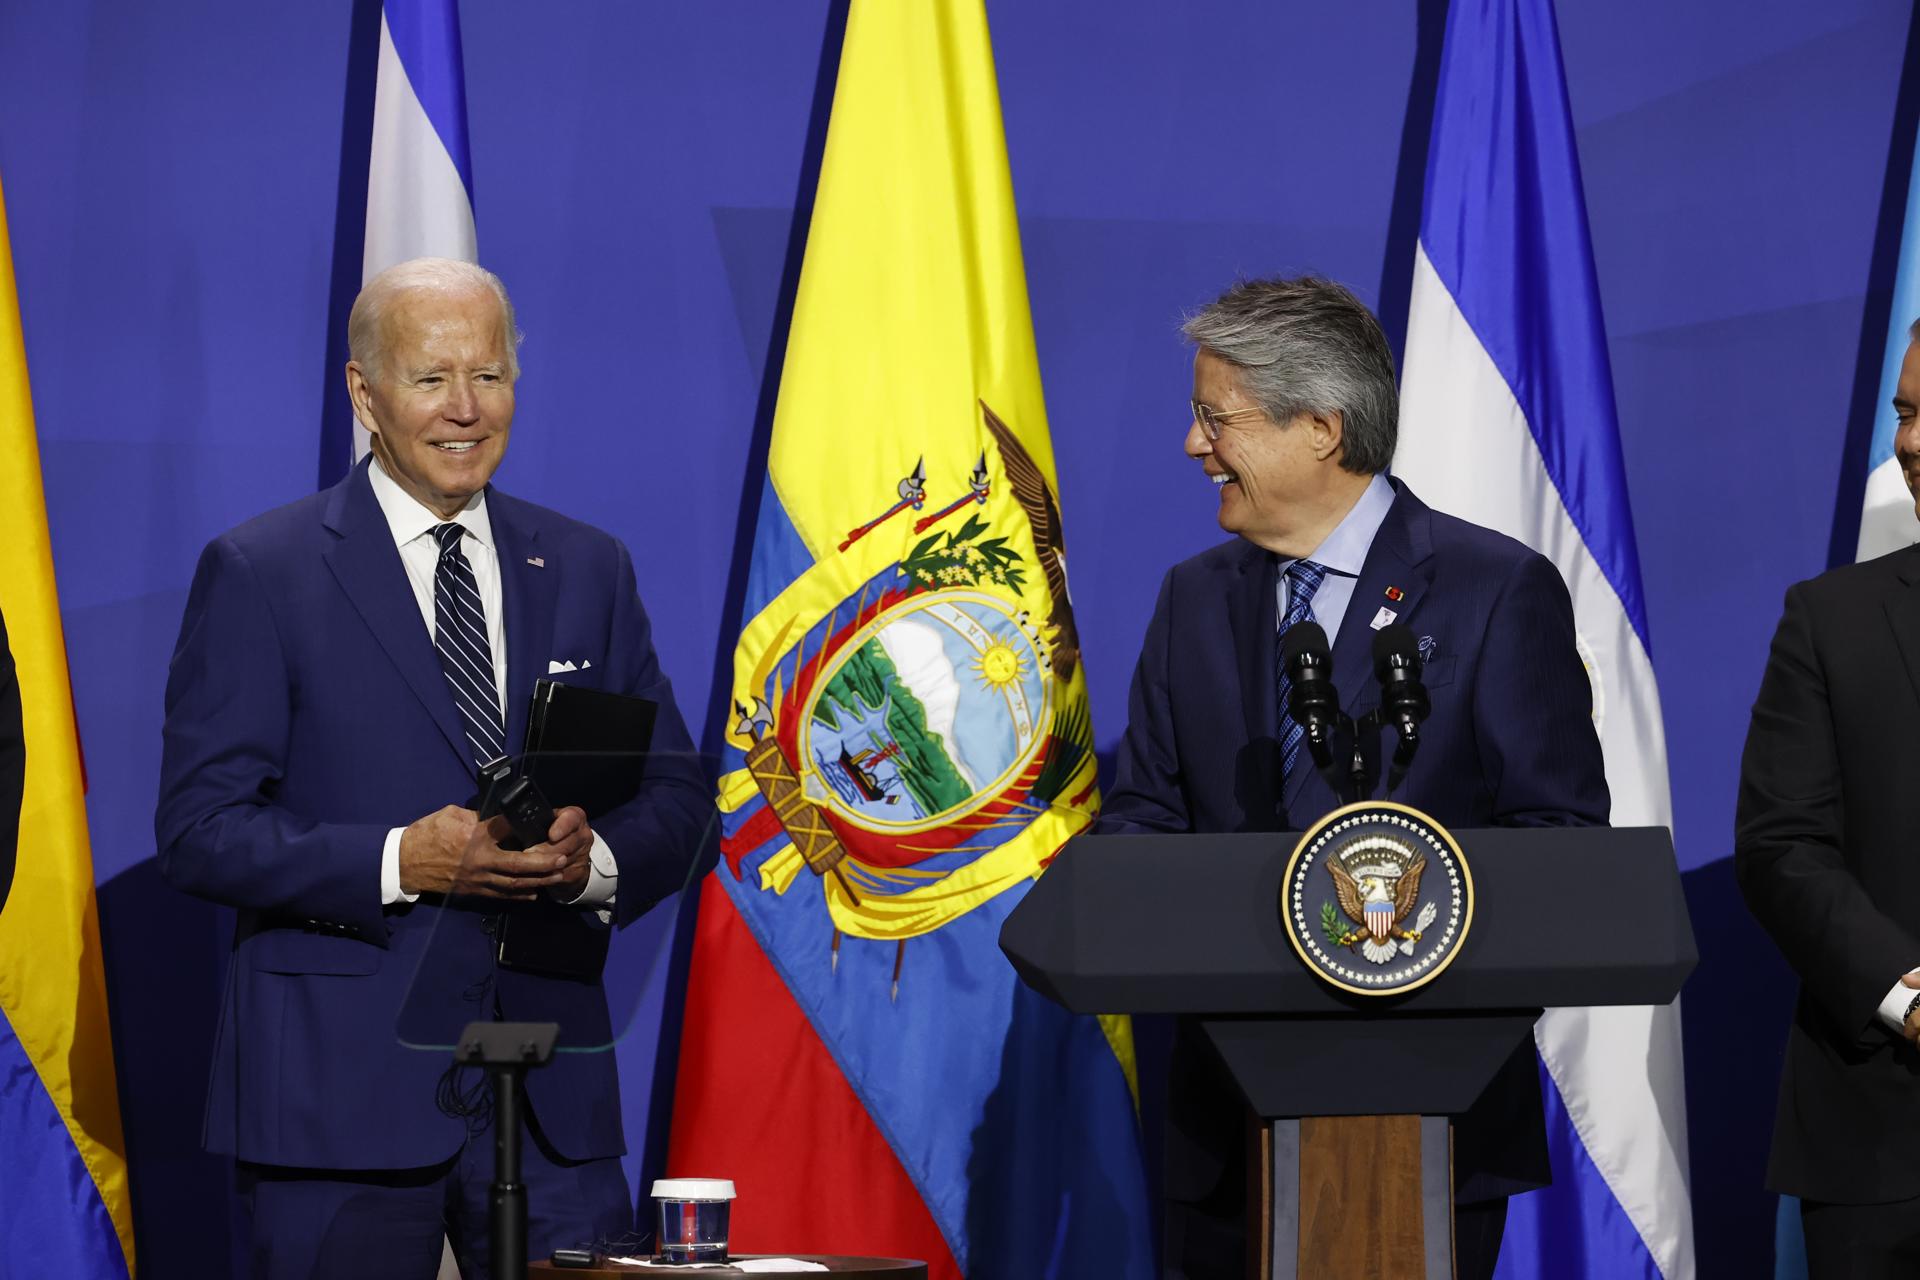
x=1303 y=579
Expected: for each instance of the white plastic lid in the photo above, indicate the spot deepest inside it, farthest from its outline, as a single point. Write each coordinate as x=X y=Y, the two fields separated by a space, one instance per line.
x=693 y=1189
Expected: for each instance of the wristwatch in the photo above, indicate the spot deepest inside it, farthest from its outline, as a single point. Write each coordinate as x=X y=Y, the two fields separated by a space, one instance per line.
x=1912 y=1005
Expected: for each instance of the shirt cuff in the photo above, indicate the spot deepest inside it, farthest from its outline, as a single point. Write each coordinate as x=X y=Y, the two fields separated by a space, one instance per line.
x=390 y=892
x=603 y=877
x=1893 y=1009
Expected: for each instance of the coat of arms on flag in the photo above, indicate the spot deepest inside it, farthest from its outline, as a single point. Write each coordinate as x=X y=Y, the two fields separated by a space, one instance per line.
x=908 y=715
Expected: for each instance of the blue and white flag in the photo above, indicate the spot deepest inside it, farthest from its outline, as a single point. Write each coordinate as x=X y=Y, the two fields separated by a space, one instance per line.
x=419 y=176
x=1507 y=419
x=1886 y=514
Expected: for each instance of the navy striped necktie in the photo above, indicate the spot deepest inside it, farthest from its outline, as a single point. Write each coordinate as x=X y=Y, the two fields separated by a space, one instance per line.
x=1303 y=579
x=460 y=637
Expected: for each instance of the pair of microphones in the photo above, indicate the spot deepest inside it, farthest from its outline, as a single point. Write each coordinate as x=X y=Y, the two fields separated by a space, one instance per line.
x=1314 y=704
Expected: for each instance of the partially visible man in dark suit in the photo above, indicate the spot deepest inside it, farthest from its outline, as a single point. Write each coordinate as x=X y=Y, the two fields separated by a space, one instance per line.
x=1294 y=422
x=1824 y=847
x=344 y=665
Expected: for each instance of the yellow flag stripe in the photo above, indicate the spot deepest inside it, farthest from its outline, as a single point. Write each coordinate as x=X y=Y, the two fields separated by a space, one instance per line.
x=52 y=987
x=881 y=362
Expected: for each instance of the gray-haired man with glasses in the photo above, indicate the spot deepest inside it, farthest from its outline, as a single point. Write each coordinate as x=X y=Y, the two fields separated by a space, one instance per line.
x=1294 y=420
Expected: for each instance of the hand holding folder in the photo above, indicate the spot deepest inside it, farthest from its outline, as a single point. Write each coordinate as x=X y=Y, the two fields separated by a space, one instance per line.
x=587 y=748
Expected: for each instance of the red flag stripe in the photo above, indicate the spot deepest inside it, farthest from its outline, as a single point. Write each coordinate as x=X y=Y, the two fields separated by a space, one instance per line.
x=812 y=1178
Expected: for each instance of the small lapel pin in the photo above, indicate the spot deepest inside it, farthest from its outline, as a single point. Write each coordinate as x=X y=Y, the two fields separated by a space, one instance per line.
x=1396 y=594
x=538 y=562
x=1383 y=617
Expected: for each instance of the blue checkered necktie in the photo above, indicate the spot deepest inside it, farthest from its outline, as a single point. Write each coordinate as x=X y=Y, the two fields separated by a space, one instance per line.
x=1303 y=579
x=460 y=637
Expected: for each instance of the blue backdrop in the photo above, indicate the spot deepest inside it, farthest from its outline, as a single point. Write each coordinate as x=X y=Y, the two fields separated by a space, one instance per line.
x=172 y=174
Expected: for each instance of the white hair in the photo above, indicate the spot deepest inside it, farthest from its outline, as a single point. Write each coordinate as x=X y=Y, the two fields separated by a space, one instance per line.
x=367 y=322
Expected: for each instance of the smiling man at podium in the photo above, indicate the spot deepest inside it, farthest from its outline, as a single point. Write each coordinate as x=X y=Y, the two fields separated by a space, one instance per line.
x=1294 y=422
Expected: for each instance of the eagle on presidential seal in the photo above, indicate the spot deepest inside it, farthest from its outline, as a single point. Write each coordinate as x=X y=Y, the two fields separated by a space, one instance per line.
x=1376 y=880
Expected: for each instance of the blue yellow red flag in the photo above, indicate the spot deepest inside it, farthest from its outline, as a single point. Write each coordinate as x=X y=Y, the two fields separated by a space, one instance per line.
x=910 y=744
x=63 y=1179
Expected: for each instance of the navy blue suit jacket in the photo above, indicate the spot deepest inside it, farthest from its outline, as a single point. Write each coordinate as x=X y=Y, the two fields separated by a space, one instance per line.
x=1510 y=741
x=307 y=715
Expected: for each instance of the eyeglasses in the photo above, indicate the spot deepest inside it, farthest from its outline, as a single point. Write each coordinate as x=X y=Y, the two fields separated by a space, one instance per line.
x=1210 y=418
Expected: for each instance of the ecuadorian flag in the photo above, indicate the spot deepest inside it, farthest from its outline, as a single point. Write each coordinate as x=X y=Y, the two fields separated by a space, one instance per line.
x=910 y=743
x=63 y=1171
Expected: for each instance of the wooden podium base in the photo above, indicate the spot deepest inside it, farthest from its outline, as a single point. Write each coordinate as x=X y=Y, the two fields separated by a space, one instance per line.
x=1351 y=1195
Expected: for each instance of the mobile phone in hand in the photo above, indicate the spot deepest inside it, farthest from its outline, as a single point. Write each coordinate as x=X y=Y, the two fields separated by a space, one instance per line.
x=526 y=811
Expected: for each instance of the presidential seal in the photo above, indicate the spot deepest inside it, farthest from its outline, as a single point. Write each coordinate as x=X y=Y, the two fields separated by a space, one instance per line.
x=1377 y=898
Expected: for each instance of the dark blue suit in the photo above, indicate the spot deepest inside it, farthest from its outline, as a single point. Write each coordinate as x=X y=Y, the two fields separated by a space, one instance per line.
x=307 y=714
x=1510 y=742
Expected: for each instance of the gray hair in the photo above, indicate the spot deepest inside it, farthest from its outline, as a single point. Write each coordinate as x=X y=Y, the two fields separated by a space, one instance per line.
x=367 y=323
x=1309 y=346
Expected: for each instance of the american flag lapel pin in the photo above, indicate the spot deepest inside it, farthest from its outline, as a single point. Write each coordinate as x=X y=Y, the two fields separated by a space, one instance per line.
x=538 y=562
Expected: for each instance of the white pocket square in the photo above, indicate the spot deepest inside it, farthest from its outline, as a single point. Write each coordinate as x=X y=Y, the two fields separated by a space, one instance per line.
x=555 y=668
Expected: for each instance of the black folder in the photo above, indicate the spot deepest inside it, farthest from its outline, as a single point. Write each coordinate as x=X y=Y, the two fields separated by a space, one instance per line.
x=584 y=747
x=587 y=747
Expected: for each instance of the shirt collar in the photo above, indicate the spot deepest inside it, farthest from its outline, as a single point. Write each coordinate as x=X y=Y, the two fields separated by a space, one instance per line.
x=409 y=519
x=1345 y=550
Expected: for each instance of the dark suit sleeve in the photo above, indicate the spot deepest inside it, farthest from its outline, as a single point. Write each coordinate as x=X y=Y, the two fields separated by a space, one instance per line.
x=661 y=836
x=1788 y=833
x=1533 y=708
x=1147 y=793
x=223 y=756
x=13 y=764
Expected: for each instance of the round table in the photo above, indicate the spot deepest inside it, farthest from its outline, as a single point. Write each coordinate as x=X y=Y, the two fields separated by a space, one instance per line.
x=894 y=1268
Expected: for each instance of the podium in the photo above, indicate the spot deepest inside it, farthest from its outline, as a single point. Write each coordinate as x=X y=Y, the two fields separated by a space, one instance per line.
x=1192 y=925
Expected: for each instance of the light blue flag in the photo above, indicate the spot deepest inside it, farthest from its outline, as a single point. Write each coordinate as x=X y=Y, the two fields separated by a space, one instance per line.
x=1508 y=420
x=1886 y=513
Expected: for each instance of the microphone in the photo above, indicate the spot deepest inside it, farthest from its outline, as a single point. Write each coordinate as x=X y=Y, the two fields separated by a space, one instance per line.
x=1312 y=702
x=1403 y=698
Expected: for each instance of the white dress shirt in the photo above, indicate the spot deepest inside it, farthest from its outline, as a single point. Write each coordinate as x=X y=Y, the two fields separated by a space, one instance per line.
x=413 y=525
x=1893 y=1009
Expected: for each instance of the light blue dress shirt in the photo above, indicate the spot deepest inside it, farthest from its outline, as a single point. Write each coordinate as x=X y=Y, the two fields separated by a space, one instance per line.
x=1342 y=553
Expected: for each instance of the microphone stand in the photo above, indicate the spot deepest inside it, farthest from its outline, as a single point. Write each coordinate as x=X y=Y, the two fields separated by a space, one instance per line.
x=1340 y=749
x=507 y=1050
x=1362 y=773
x=1360 y=770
